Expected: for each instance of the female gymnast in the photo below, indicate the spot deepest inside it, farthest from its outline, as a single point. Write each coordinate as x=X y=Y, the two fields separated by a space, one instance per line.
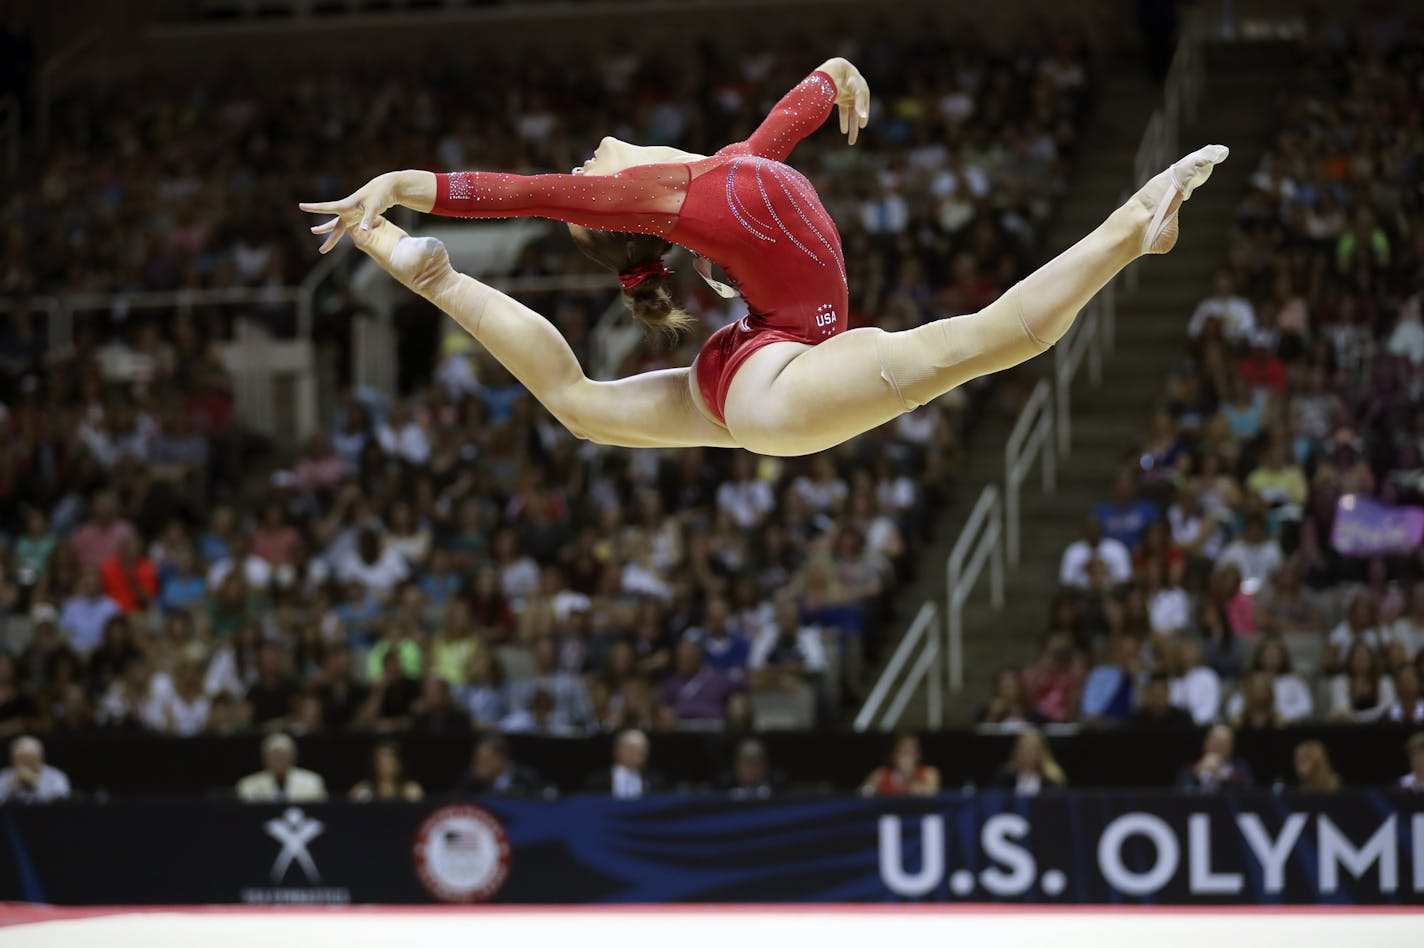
x=788 y=379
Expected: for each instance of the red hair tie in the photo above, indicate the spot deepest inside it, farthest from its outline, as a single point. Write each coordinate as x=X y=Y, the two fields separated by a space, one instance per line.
x=633 y=276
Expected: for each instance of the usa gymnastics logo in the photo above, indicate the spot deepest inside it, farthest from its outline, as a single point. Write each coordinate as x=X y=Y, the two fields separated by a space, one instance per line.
x=461 y=854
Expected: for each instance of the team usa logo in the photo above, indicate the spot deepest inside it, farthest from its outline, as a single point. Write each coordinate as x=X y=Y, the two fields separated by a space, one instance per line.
x=461 y=854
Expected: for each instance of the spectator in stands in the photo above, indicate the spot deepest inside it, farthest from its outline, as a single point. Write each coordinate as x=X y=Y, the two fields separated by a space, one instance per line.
x=1218 y=768
x=1414 y=749
x=1031 y=768
x=494 y=772
x=788 y=656
x=904 y=774
x=573 y=708
x=137 y=699
x=1408 y=706
x=375 y=569
x=387 y=780
x=270 y=697
x=1361 y=691
x=746 y=498
x=1256 y=555
x=130 y=579
x=629 y=778
x=484 y=696
x=1055 y=680
x=1287 y=607
x=1233 y=312
x=751 y=777
x=280 y=780
x=1154 y=706
x=1225 y=620
x=1195 y=530
x=29 y=779
x=188 y=705
x=1093 y=545
x=1109 y=687
x=1008 y=705
x=1256 y=708
x=1168 y=605
x=1278 y=481
x=435 y=712
x=695 y=691
x=18 y=712
x=390 y=699
x=1292 y=697
x=336 y=687
x=1261 y=368
x=1313 y=773
x=1125 y=516
x=401 y=642
x=1359 y=627
x=86 y=614
x=723 y=647
x=102 y=536
x=1196 y=687
x=1407 y=633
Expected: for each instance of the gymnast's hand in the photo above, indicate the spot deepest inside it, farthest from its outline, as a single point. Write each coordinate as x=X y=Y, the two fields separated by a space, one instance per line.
x=419 y=263
x=413 y=189
x=852 y=96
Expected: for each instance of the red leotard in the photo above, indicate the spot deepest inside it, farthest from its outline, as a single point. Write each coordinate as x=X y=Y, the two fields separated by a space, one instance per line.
x=760 y=220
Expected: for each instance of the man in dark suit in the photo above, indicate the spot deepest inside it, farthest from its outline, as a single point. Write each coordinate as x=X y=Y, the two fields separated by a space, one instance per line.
x=494 y=773
x=629 y=777
x=1218 y=768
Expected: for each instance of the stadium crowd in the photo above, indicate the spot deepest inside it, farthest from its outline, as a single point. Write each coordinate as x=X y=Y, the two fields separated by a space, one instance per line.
x=452 y=559
x=1258 y=561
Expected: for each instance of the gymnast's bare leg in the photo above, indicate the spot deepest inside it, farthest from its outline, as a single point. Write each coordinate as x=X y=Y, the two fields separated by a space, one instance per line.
x=654 y=409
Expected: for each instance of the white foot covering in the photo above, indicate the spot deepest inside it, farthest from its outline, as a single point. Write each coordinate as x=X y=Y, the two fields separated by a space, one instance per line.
x=1174 y=186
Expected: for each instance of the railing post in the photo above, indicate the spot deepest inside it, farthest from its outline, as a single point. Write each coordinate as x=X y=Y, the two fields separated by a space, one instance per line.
x=936 y=710
x=1050 y=463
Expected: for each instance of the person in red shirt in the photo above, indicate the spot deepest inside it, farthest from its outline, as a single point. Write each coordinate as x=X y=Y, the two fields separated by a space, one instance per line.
x=130 y=578
x=1261 y=367
x=788 y=379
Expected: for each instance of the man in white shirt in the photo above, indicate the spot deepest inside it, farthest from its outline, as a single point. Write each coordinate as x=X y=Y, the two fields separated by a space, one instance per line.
x=280 y=780
x=374 y=568
x=29 y=779
x=1073 y=568
x=255 y=571
x=745 y=498
x=1197 y=687
x=629 y=777
x=1234 y=312
x=1255 y=554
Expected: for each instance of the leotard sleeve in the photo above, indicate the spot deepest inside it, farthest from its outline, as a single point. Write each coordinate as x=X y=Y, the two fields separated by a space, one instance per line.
x=799 y=113
x=645 y=199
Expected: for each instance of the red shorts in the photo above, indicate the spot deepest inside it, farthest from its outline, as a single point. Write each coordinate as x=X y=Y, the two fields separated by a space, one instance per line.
x=723 y=354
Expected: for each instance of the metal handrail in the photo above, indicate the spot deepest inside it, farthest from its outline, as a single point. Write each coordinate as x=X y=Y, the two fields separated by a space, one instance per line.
x=1085 y=339
x=922 y=638
x=1030 y=440
x=981 y=540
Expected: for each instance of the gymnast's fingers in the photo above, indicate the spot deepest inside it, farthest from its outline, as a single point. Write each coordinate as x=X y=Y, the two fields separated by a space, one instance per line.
x=326 y=228
x=330 y=207
x=845 y=118
x=862 y=103
x=337 y=230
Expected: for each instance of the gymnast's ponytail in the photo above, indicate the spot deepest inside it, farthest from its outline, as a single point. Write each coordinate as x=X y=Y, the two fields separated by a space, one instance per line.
x=638 y=261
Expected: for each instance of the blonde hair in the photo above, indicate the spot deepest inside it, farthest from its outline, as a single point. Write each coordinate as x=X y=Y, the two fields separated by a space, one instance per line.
x=1049 y=765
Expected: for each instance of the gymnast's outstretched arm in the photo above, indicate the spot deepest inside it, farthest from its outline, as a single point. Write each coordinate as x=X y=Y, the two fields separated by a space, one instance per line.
x=650 y=410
